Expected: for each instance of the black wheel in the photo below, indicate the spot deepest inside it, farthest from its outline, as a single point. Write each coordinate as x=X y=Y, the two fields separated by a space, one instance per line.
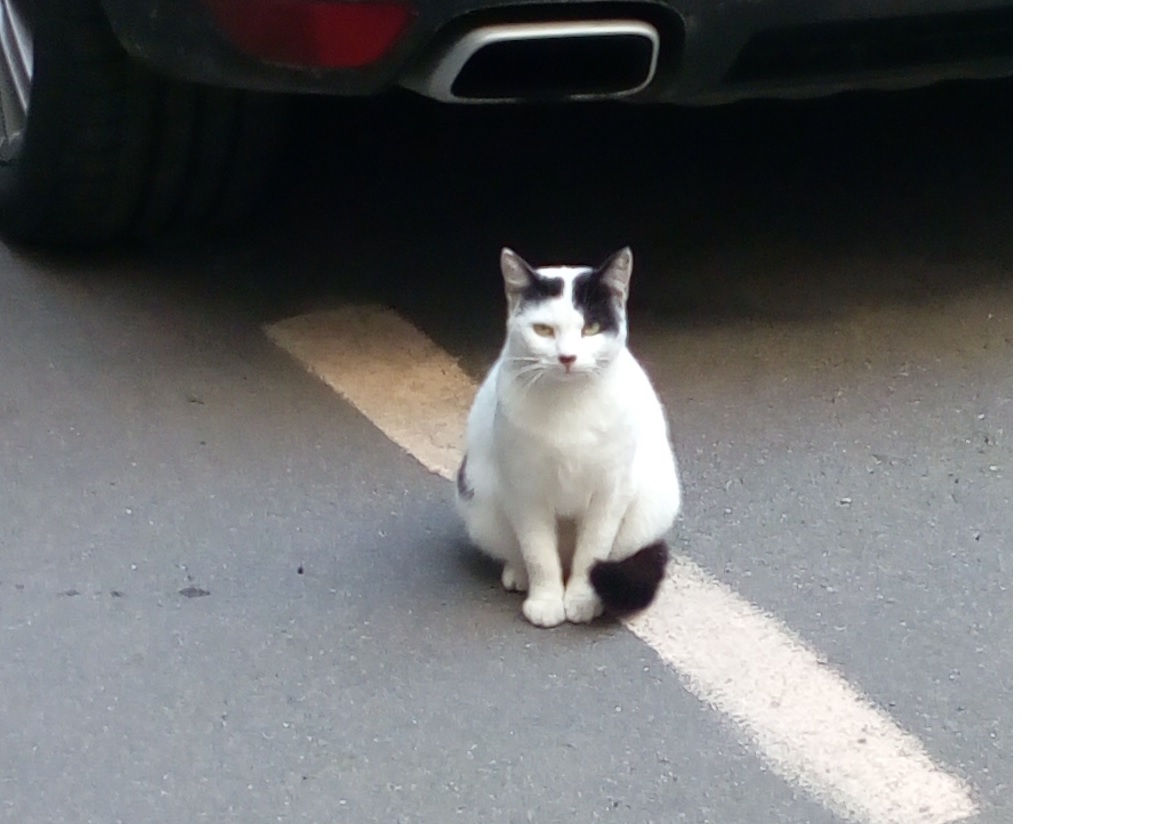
x=95 y=147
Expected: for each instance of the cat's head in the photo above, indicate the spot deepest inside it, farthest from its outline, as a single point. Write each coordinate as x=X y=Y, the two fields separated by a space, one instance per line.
x=565 y=322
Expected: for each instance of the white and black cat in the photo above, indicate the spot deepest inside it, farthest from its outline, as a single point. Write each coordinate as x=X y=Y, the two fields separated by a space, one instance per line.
x=568 y=476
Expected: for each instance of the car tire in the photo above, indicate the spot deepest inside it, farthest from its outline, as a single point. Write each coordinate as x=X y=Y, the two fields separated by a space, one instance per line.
x=95 y=147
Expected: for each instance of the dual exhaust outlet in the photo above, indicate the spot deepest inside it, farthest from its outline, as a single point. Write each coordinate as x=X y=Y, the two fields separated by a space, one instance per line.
x=565 y=60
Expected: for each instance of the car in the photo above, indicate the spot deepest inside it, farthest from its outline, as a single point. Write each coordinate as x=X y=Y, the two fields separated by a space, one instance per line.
x=125 y=118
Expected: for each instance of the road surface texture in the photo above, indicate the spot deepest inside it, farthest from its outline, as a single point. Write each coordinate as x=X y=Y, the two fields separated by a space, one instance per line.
x=228 y=592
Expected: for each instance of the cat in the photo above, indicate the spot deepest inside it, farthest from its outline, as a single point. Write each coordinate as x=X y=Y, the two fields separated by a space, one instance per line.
x=569 y=476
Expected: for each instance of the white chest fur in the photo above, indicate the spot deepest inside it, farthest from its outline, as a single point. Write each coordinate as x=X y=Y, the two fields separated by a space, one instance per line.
x=560 y=449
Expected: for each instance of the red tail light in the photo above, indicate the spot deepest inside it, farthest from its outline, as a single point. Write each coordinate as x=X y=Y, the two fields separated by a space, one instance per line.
x=327 y=34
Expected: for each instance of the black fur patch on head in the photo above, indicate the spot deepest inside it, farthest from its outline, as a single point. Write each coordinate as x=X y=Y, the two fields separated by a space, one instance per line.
x=595 y=300
x=463 y=488
x=630 y=585
x=542 y=288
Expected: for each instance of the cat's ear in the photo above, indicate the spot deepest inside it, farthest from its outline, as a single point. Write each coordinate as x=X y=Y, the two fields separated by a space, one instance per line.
x=518 y=275
x=616 y=272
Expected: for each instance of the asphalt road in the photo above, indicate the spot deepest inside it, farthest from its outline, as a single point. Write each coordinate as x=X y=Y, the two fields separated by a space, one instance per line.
x=225 y=595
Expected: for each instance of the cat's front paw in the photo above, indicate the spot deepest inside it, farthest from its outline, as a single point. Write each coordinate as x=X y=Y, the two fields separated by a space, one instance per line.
x=581 y=603
x=544 y=610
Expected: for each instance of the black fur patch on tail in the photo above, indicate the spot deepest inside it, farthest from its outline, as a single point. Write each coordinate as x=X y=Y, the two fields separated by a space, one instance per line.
x=630 y=585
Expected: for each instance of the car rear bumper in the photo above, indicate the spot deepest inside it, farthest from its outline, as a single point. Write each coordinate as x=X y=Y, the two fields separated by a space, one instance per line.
x=708 y=51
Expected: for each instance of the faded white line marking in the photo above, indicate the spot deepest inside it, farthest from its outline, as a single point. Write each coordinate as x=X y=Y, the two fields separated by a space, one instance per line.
x=392 y=372
x=812 y=727
x=809 y=724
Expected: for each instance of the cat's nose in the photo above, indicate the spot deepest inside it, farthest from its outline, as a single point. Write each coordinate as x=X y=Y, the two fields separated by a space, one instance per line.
x=567 y=360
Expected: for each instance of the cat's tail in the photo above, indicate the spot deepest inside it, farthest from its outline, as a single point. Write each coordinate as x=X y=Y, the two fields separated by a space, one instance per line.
x=630 y=585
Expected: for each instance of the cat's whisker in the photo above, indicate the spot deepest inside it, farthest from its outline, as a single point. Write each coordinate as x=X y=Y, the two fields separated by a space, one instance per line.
x=531 y=374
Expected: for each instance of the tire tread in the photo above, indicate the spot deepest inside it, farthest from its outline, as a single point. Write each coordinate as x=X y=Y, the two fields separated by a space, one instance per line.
x=112 y=150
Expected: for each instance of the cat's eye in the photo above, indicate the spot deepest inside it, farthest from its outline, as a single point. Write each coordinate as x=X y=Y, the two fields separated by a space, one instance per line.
x=543 y=330
x=592 y=328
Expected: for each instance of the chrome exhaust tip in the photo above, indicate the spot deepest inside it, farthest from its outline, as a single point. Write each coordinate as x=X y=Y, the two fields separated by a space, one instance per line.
x=567 y=60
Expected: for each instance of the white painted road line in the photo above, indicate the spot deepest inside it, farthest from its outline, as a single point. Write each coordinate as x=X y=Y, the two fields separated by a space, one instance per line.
x=392 y=372
x=809 y=724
